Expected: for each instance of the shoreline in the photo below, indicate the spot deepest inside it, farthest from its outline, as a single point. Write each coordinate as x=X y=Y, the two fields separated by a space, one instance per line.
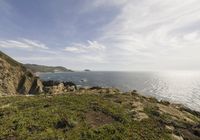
x=177 y=90
x=106 y=90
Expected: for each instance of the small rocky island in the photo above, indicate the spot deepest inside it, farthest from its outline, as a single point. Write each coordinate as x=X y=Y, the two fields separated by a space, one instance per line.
x=61 y=110
x=87 y=70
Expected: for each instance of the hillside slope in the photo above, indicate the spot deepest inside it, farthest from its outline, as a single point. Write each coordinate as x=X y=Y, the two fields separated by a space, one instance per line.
x=41 y=68
x=95 y=114
x=16 y=79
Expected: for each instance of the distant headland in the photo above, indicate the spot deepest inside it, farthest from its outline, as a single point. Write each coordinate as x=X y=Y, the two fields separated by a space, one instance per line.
x=42 y=68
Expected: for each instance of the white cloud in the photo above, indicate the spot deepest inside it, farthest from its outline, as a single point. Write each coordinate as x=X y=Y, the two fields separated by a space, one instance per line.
x=146 y=34
x=22 y=44
x=35 y=44
x=90 y=53
x=90 y=46
x=154 y=32
x=73 y=49
x=194 y=36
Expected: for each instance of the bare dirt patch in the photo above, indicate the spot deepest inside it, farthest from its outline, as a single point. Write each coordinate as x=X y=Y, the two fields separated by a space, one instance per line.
x=97 y=118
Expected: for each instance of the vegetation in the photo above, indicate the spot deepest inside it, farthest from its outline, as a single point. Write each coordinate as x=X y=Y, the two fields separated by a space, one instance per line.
x=88 y=116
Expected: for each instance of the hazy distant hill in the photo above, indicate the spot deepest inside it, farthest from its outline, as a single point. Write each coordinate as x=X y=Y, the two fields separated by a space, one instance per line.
x=41 y=68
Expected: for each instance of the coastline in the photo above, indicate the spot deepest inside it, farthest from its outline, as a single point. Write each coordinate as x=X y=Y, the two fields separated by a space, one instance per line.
x=106 y=90
x=174 y=87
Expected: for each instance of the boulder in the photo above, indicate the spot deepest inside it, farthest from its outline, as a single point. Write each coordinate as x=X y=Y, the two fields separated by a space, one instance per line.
x=55 y=89
x=37 y=86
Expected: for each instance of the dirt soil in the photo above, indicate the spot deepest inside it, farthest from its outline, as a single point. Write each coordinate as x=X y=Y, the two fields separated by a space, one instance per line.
x=96 y=119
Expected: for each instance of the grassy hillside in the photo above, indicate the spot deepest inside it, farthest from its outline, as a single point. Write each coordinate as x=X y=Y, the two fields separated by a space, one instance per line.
x=94 y=117
x=42 y=68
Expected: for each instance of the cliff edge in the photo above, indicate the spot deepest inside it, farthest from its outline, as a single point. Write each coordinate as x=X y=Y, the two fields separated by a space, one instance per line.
x=16 y=79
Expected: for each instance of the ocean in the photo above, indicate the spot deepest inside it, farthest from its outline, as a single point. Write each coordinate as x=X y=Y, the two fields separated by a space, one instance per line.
x=175 y=86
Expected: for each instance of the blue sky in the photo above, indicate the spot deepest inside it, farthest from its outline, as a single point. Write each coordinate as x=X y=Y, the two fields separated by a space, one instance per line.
x=103 y=35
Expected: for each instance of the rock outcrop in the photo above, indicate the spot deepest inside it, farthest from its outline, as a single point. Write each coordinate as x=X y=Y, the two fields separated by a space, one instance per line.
x=55 y=87
x=16 y=79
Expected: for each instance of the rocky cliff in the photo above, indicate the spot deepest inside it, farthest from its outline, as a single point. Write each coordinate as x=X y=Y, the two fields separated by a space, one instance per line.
x=16 y=79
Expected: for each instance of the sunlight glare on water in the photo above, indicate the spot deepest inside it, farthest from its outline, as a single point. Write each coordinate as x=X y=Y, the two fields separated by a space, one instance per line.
x=175 y=86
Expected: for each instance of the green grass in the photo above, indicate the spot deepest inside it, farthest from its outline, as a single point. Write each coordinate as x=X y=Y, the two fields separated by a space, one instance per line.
x=63 y=117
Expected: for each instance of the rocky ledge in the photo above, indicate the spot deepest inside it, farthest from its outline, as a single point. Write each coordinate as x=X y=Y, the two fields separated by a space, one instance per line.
x=56 y=87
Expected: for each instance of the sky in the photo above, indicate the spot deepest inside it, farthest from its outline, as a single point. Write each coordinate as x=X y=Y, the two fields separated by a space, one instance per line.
x=110 y=35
